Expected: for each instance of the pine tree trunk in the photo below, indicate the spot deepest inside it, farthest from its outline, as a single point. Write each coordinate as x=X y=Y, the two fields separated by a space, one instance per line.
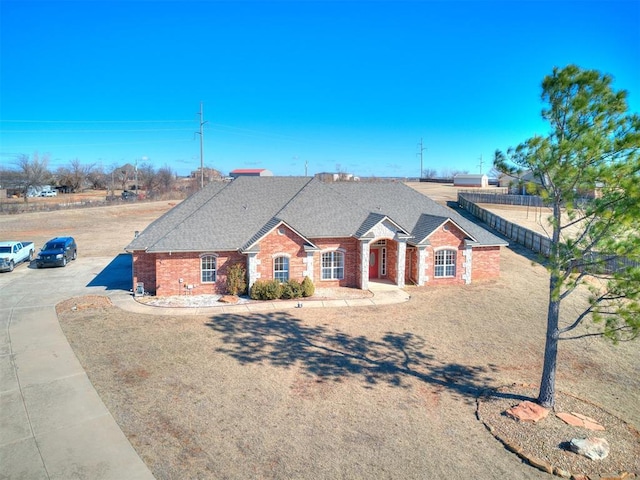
x=547 y=394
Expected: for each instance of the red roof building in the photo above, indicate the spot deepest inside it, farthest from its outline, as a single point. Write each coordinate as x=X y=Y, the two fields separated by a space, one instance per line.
x=251 y=172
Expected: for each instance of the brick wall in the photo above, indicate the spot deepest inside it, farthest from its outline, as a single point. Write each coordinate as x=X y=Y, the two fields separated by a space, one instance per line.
x=454 y=238
x=351 y=249
x=392 y=261
x=144 y=270
x=486 y=263
x=411 y=265
x=170 y=268
x=285 y=241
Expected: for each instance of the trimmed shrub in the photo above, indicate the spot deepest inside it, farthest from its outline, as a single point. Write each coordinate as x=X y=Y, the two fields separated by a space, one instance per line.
x=255 y=293
x=236 y=279
x=291 y=289
x=266 y=290
x=308 y=288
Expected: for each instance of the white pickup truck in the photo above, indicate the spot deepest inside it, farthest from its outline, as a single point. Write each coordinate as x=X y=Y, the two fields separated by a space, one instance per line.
x=13 y=253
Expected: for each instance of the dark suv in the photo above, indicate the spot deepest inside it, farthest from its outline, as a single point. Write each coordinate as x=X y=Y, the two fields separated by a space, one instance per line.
x=57 y=252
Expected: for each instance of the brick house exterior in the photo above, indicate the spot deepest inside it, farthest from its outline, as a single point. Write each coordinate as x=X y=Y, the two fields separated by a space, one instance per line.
x=336 y=233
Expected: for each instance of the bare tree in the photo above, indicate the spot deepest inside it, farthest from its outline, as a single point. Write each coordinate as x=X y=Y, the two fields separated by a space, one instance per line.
x=98 y=180
x=32 y=172
x=429 y=173
x=166 y=179
x=75 y=175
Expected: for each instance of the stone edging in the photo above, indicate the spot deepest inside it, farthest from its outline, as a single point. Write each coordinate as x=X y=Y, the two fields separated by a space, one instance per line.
x=537 y=462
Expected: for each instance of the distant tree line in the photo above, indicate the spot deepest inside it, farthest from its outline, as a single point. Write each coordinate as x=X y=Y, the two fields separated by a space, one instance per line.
x=31 y=172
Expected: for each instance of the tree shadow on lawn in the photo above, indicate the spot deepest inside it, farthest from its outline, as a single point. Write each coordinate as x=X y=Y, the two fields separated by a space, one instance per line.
x=282 y=340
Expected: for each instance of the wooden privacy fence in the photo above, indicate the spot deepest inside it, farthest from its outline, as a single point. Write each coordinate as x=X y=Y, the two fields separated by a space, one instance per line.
x=499 y=198
x=538 y=243
x=528 y=238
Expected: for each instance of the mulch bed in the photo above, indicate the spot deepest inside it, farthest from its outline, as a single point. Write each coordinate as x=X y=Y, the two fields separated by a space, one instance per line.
x=543 y=444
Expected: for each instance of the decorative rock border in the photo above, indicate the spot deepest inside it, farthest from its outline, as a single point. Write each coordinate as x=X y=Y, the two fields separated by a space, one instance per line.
x=537 y=462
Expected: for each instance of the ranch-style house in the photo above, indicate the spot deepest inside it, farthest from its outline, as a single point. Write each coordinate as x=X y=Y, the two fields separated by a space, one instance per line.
x=336 y=233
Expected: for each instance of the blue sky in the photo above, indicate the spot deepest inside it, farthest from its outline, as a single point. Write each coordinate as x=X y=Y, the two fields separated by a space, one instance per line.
x=348 y=85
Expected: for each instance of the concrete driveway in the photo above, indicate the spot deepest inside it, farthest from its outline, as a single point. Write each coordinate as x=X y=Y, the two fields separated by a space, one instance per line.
x=53 y=424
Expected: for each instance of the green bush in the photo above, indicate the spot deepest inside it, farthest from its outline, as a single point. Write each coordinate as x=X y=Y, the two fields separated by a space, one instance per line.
x=308 y=288
x=266 y=290
x=273 y=290
x=236 y=279
x=291 y=289
x=255 y=293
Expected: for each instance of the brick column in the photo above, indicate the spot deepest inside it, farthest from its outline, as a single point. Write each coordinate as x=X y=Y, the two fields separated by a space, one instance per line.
x=308 y=272
x=422 y=265
x=402 y=256
x=467 y=254
x=364 y=264
x=252 y=267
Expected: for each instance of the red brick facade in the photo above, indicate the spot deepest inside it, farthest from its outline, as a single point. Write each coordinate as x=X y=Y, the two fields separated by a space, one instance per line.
x=486 y=263
x=351 y=249
x=168 y=274
x=447 y=237
x=282 y=241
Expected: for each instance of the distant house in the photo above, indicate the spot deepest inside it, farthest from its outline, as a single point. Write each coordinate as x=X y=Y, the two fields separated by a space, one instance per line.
x=335 y=233
x=336 y=177
x=250 y=172
x=471 y=180
x=520 y=183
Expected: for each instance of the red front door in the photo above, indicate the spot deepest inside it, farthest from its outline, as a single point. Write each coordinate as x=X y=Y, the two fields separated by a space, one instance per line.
x=374 y=258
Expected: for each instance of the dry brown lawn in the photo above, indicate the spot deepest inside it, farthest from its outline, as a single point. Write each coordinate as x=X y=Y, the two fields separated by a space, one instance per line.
x=371 y=392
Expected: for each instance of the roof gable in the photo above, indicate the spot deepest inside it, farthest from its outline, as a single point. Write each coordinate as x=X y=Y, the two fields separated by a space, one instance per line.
x=379 y=226
x=448 y=220
x=269 y=227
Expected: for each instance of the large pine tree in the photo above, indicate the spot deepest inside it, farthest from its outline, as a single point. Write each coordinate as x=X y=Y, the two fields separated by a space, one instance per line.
x=592 y=148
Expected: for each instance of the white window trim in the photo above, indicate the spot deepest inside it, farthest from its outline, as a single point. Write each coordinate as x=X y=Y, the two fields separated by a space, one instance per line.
x=444 y=266
x=344 y=266
x=215 y=270
x=282 y=255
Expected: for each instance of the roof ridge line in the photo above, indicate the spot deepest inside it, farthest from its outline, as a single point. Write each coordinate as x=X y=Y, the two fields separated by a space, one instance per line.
x=276 y=215
x=164 y=234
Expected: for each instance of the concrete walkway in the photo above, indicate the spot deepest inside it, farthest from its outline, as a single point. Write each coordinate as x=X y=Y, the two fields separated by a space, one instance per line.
x=384 y=293
x=53 y=424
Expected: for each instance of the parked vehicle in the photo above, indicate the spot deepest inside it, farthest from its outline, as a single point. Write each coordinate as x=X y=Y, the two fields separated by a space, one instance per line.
x=13 y=253
x=49 y=193
x=129 y=195
x=57 y=252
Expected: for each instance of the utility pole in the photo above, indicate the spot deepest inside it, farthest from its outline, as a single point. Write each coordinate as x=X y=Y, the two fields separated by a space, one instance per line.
x=480 y=165
x=136 y=177
x=201 y=132
x=421 y=149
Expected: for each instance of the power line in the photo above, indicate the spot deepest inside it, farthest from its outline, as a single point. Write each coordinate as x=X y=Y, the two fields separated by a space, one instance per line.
x=100 y=131
x=94 y=121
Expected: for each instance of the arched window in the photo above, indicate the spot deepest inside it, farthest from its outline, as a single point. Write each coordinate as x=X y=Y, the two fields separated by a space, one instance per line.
x=445 y=263
x=208 y=271
x=281 y=269
x=333 y=265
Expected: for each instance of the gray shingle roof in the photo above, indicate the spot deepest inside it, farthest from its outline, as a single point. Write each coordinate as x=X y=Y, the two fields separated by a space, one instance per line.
x=231 y=216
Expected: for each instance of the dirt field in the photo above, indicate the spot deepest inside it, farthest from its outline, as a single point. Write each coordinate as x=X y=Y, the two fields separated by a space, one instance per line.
x=99 y=231
x=384 y=392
